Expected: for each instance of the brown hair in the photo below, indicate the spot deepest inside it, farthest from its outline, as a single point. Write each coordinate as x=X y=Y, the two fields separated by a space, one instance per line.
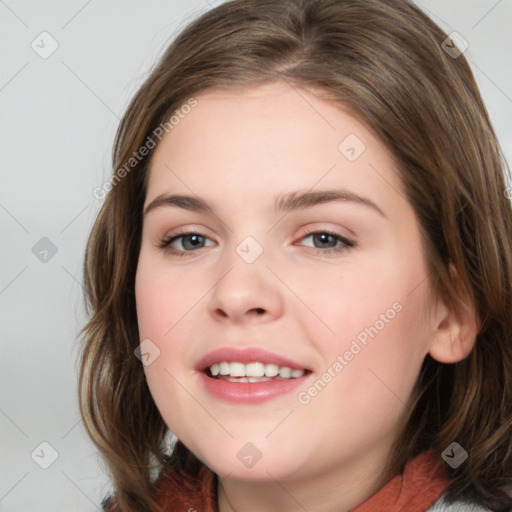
x=384 y=60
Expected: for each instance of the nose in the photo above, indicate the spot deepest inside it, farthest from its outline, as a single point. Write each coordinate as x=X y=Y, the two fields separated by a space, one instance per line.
x=247 y=292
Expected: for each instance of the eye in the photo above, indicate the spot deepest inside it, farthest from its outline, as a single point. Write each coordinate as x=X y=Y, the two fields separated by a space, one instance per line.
x=328 y=241
x=190 y=241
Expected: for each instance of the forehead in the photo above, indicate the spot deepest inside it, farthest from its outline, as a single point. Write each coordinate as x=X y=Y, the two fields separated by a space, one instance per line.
x=269 y=136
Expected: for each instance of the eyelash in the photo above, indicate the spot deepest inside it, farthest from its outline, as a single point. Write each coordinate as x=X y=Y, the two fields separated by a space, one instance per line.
x=165 y=243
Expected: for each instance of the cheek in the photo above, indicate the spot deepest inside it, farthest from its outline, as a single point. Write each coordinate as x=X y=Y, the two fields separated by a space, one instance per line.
x=165 y=301
x=367 y=301
x=166 y=306
x=158 y=314
x=154 y=299
x=157 y=308
x=378 y=337
x=371 y=369
x=362 y=398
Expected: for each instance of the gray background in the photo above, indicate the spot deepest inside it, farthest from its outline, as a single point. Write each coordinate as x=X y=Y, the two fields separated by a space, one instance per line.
x=58 y=117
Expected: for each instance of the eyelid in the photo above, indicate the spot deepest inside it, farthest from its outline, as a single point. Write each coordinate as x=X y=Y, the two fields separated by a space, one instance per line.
x=166 y=240
x=346 y=242
x=308 y=230
x=188 y=229
x=303 y=232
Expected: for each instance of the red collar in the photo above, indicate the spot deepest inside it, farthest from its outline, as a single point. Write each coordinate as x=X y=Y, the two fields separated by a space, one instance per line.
x=415 y=490
x=420 y=485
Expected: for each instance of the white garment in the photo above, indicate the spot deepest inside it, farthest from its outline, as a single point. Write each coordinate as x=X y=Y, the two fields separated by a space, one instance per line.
x=441 y=506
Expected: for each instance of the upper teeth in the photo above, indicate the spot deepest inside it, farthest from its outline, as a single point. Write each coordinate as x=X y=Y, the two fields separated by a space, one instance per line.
x=256 y=369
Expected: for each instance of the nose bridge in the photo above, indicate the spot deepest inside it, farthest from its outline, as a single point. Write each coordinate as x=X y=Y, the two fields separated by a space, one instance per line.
x=247 y=287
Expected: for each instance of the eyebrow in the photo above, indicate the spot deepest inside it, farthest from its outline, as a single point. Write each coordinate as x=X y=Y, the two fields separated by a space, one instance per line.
x=282 y=203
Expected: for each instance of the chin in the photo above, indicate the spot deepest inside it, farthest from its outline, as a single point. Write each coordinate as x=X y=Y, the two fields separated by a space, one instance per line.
x=253 y=462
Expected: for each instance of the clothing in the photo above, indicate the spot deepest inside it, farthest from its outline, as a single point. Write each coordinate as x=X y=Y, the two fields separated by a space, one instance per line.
x=441 y=506
x=419 y=488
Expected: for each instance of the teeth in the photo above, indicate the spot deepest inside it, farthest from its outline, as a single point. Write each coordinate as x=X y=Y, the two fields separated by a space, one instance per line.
x=271 y=370
x=285 y=372
x=224 y=368
x=246 y=379
x=254 y=369
x=253 y=372
x=237 y=370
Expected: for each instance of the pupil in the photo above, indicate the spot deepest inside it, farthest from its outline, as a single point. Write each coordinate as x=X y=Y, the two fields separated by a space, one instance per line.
x=195 y=238
x=323 y=237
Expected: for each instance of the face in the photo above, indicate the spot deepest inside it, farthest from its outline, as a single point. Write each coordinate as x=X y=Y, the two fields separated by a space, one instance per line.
x=296 y=253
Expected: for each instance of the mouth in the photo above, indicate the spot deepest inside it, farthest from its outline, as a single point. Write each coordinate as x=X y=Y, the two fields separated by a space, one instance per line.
x=249 y=375
x=257 y=371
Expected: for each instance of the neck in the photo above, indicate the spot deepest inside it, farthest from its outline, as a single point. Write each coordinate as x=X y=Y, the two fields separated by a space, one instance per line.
x=338 y=490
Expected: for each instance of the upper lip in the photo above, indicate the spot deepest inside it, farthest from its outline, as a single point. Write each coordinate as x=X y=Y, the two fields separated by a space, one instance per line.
x=246 y=355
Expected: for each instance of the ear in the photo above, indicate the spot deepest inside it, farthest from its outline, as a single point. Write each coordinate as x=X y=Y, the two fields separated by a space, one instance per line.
x=455 y=328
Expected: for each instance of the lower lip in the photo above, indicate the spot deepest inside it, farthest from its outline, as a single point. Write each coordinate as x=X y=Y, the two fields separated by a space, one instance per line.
x=250 y=392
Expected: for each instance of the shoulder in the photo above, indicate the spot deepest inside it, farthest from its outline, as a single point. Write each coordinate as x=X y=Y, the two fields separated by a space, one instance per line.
x=459 y=506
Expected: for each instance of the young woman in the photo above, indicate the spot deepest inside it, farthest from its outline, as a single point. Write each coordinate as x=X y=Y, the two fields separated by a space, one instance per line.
x=303 y=270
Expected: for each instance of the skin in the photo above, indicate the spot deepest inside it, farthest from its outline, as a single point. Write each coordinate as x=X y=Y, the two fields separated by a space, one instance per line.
x=238 y=150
